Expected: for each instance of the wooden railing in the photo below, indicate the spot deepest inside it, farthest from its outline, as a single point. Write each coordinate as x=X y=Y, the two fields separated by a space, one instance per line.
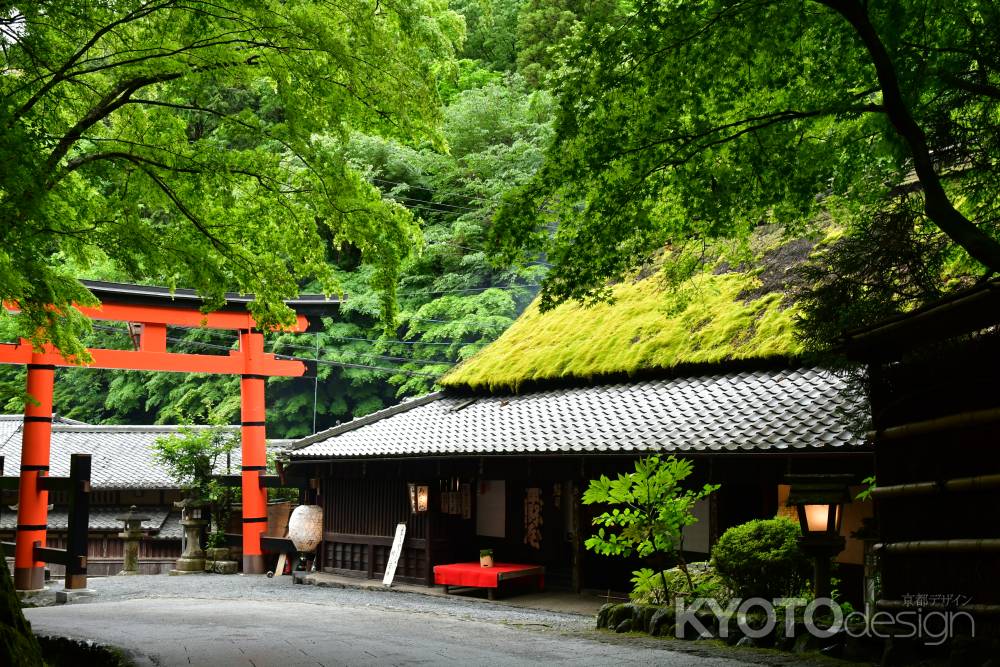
x=369 y=551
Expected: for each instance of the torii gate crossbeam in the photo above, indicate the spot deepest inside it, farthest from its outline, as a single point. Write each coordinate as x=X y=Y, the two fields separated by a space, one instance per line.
x=152 y=309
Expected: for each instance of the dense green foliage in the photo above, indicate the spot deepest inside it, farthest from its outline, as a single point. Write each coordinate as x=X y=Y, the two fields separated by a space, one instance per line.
x=543 y=27
x=491 y=32
x=890 y=262
x=195 y=144
x=650 y=509
x=300 y=155
x=685 y=122
x=193 y=458
x=762 y=558
x=451 y=300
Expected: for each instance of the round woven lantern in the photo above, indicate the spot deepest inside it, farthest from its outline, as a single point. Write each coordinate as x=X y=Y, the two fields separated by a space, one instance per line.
x=305 y=527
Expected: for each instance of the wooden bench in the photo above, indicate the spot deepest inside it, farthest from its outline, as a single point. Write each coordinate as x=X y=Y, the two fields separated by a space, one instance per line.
x=473 y=575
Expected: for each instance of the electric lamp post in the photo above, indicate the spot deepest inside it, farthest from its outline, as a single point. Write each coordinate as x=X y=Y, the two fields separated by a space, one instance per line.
x=819 y=500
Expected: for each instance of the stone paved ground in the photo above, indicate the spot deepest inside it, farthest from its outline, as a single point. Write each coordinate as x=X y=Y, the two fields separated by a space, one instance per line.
x=235 y=620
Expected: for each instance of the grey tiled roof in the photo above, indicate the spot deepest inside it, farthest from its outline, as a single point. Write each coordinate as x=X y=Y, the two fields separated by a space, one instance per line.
x=121 y=456
x=171 y=528
x=761 y=410
x=164 y=522
x=11 y=424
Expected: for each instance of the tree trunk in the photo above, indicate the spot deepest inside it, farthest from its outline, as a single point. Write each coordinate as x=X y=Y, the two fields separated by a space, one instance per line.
x=18 y=645
x=937 y=205
x=682 y=564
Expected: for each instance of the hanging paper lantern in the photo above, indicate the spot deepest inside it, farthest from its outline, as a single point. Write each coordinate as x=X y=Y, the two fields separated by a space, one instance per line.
x=305 y=527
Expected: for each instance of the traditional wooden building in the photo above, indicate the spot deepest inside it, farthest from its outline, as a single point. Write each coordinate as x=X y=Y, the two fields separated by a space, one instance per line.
x=124 y=472
x=710 y=371
x=506 y=472
x=933 y=378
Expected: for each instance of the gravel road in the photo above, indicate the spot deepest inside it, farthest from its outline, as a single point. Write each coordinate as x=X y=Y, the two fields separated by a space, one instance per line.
x=218 y=621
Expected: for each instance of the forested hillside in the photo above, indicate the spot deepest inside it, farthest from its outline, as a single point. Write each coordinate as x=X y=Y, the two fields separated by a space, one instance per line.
x=495 y=124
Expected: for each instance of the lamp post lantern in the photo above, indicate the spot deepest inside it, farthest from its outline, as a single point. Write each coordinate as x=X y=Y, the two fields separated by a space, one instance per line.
x=819 y=500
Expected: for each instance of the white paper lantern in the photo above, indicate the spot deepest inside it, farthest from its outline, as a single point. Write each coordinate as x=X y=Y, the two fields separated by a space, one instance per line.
x=305 y=527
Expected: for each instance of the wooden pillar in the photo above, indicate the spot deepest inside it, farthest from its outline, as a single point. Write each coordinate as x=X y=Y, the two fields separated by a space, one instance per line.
x=254 y=452
x=32 y=499
x=576 y=543
x=79 y=515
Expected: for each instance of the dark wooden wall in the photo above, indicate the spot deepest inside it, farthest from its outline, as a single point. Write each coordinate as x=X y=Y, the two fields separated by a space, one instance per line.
x=363 y=502
x=360 y=517
x=936 y=381
x=106 y=553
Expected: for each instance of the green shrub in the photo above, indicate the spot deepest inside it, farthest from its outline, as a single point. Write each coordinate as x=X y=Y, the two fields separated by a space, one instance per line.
x=762 y=558
x=647 y=587
x=647 y=584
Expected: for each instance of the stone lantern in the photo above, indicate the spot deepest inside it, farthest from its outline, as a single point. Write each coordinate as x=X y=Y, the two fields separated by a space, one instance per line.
x=192 y=561
x=132 y=534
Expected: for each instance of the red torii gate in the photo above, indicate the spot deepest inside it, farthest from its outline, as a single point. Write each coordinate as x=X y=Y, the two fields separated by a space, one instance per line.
x=152 y=309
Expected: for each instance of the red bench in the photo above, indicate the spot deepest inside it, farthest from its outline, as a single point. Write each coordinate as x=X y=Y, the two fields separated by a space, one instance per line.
x=474 y=575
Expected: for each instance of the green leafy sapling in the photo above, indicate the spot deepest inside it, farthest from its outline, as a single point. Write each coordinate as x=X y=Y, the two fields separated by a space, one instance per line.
x=193 y=457
x=650 y=509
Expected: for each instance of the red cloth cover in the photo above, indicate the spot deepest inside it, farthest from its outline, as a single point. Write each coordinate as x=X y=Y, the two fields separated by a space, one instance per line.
x=474 y=574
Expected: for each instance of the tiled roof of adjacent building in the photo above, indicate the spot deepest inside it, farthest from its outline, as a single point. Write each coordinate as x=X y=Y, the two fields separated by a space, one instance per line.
x=796 y=409
x=121 y=456
x=164 y=523
x=11 y=424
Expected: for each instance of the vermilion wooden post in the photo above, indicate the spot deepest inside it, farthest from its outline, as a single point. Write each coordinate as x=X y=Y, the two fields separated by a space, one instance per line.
x=254 y=448
x=130 y=303
x=33 y=501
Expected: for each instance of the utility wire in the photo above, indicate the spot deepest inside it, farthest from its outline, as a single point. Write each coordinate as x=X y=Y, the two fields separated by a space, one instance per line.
x=326 y=362
x=227 y=348
x=467 y=289
x=424 y=202
x=424 y=208
x=344 y=364
x=378 y=356
x=377 y=340
x=456 y=245
x=440 y=192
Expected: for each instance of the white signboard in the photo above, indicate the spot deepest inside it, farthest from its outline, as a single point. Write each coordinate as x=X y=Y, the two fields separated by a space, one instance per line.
x=397 y=549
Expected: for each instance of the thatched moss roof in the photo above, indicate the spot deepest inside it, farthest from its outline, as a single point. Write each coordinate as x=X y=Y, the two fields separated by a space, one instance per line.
x=711 y=319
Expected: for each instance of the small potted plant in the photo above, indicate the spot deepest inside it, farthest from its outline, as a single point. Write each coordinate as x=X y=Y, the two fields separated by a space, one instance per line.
x=486 y=557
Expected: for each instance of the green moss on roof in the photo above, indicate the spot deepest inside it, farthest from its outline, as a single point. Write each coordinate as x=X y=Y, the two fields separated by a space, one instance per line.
x=647 y=327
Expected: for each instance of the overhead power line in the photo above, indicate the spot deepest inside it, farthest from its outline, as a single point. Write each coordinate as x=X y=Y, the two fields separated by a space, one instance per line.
x=424 y=202
x=396 y=342
x=377 y=356
x=429 y=189
x=326 y=362
x=467 y=289
x=345 y=364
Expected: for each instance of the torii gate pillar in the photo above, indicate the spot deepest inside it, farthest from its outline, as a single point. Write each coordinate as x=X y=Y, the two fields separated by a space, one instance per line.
x=254 y=452
x=153 y=309
x=32 y=499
